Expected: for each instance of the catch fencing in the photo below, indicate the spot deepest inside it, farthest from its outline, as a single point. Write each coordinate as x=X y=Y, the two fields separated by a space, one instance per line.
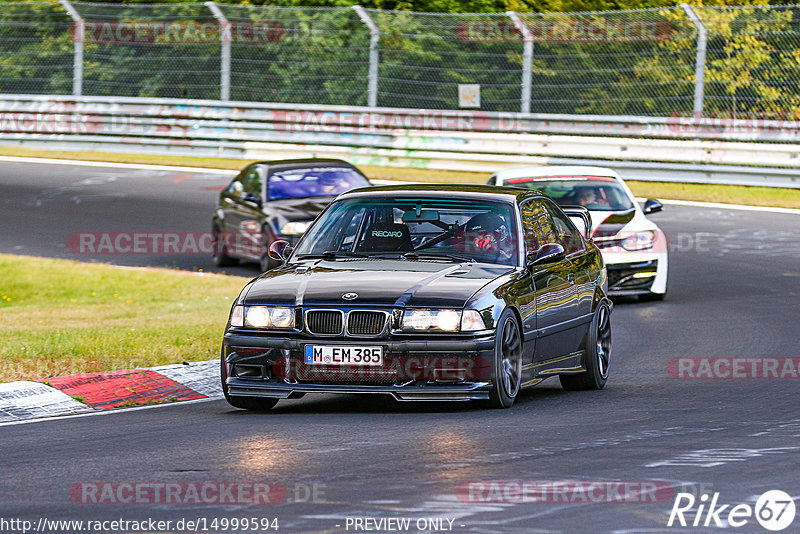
x=718 y=62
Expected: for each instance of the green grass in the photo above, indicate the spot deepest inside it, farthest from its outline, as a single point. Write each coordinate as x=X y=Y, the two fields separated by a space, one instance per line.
x=727 y=194
x=60 y=317
x=730 y=194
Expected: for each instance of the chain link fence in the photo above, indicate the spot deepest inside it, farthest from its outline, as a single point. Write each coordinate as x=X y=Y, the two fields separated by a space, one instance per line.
x=753 y=63
x=612 y=63
x=642 y=62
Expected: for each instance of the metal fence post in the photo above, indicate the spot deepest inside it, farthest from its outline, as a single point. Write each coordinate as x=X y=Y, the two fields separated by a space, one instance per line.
x=527 y=60
x=225 y=54
x=700 y=62
x=77 y=65
x=374 y=38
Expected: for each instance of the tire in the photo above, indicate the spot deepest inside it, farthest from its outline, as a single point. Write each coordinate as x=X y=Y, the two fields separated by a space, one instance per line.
x=596 y=355
x=220 y=252
x=507 y=365
x=257 y=404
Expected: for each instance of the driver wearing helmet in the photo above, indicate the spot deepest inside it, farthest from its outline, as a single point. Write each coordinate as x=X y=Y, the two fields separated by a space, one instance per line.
x=486 y=236
x=333 y=183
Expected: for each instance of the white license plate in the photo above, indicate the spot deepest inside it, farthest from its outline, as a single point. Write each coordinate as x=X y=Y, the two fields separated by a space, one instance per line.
x=343 y=355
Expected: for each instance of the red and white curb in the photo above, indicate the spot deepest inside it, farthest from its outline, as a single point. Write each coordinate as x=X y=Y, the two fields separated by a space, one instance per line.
x=95 y=392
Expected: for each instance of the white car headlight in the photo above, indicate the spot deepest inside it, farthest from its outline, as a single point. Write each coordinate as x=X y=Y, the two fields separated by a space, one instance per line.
x=268 y=317
x=282 y=317
x=639 y=241
x=295 y=227
x=448 y=320
x=418 y=320
x=441 y=321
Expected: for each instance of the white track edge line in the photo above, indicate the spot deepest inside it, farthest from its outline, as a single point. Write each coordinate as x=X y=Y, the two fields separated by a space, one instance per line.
x=105 y=412
x=85 y=163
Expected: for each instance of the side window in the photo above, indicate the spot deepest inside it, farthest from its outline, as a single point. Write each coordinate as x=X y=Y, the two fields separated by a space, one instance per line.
x=536 y=226
x=254 y=180
x=566 y=234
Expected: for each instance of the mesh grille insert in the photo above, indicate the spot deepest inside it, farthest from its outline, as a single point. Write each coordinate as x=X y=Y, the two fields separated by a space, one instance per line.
x=366 y=322
x=324 y=322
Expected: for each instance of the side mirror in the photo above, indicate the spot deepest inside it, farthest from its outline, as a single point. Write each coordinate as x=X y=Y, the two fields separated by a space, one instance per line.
x=549 y=253
x=253 y=198
x=652 y=206
x=280 y=250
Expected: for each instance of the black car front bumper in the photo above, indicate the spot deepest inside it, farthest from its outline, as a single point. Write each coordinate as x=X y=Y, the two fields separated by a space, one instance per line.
x=452 y=369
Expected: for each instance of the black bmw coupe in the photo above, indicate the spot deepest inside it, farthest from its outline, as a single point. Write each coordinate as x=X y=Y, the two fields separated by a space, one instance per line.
x=272 y=200
x=424 y=292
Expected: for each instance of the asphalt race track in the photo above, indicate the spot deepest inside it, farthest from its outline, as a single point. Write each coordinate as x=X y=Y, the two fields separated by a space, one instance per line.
x=733 y=292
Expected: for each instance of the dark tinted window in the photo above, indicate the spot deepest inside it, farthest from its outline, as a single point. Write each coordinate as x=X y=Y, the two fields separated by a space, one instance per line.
x=313 y=182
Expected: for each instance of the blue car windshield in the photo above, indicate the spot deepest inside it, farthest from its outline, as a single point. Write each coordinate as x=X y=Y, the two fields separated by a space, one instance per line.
x=415 y=228
x=313 y=182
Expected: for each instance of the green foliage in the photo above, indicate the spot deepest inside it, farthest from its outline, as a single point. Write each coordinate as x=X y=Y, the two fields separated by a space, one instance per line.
x=315 y=54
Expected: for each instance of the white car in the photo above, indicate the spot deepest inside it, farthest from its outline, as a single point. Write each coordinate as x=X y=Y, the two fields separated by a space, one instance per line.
x=634 y=248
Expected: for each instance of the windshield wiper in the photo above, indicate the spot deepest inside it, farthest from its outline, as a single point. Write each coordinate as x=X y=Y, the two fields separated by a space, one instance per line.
x=332 y=255
x=438 y=256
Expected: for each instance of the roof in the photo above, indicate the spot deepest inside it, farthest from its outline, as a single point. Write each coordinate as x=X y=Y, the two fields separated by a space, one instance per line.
x=305 y=161
x=484 y=191
x=555 y=170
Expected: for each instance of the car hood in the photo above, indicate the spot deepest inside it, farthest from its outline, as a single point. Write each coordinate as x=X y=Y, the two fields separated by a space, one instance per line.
x=608 y=224
x=379 y=283
x=295 y=209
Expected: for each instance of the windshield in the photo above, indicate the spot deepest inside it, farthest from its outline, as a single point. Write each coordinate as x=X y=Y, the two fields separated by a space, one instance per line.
x=596 y=193
x=313 y=182
x=414 y=228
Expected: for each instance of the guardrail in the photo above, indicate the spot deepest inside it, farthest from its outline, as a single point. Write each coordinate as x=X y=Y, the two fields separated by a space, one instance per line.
x=643 y=148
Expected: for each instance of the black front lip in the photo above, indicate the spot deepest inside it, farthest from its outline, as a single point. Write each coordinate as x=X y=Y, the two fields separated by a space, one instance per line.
x=411 y=391
x=461 y=392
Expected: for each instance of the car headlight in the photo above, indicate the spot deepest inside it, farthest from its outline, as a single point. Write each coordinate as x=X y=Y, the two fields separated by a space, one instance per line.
x=639 y=241
x=472 y=321
x=441 y=321
x=263 y=317
x=295 y=227
x=282 y=317
x=237 y=316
